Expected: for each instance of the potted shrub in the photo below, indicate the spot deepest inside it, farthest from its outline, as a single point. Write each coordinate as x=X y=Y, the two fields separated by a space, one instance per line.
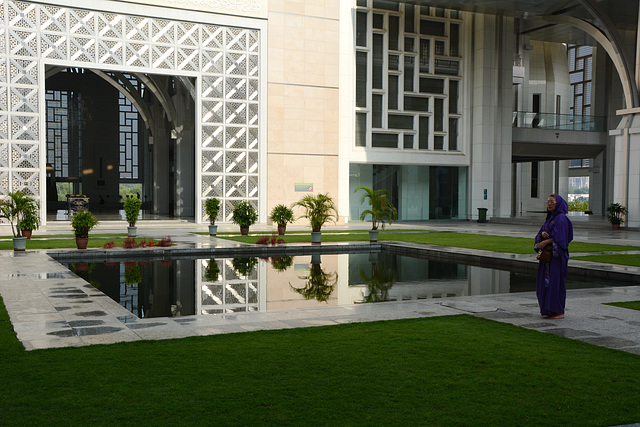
x=14 y=210
x=212 y=271
x=30 y=221
x=244 y=266
x=245 y=216
x=318 y=210
x=281 y=215
x=212 y=207
x=381 y=210
x=131 y=210
x=615 y=214
x=83 y=222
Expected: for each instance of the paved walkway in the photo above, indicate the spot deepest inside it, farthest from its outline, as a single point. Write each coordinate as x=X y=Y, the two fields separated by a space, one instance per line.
x=51 y=307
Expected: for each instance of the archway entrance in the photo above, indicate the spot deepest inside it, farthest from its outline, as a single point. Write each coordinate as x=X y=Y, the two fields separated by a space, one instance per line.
x=112 y=135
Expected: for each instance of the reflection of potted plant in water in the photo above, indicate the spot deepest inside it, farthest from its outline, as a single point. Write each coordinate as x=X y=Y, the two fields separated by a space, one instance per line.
x=318 y=210
x=131 y=210
x=212 y=271
x=244 y=266
x=319 y=284
x=281 y=215
x=244 y=215
x=132 y=273
x=381 y=210
x=14 y=209
x=212 y=207
x=615 y=213
x=380 y=282
x=281 y=263
x=83 y=222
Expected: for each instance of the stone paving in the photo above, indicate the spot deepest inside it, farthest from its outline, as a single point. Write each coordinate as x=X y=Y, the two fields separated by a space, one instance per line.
x=51 y=307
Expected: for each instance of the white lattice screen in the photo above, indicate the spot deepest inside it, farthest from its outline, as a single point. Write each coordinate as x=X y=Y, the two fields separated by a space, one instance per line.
x=226 y=59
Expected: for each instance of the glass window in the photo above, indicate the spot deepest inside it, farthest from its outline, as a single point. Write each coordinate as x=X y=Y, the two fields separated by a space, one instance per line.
x=377 y=61
x=454 y=40
x=361 y=129
x=362 y=3
x=394 y=62
x=438 y=142
x=361 y=29
x=394 y=32
x=447 y=67
x=409 y=66
x=376 y=117
x=408 y=142
x=439 y=47
x=361 y=79
x=431 y=85
x=387 y=5
x=424 y=55
x=384 y=140
x=432 y=28
x=415 y=103
x=378 y=21
x=423 y=136
x=409 y=14
x=397 y=121
x=439 y=12
x=438 y=109
x=453 y=96
x=409 y=44
x=393 y=93
x=453 y=134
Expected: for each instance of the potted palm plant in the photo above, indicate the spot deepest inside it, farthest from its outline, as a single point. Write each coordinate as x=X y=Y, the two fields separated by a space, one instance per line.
x=381 y=210
x=83 y=222
x=30 y=221
x=212 y=207
x=14 y=210
x=132 y=210
x=281 y=215
x=318 y=210
x=212 y=271
x=245 y=216
x=615 y=214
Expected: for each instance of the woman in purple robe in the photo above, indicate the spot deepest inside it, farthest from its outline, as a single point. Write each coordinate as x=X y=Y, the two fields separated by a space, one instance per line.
x=556 y=231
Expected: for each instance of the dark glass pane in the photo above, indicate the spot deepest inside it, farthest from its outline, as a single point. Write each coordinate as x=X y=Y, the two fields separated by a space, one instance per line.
x=376 y=117
x=361 y=129
x=423 y=133
x=414 y=103
x=408 y=141
x=439 y=12
x=397 y=121
x=394 y=62
x=409 y=44
x=393 y=93
x=438 y=112
x=361 y=79
x=377 y=61
x=454 y=40
x=424 y=55
x=453 y=96
x=454 y=14
x=378 y=21
x=453 y=134
x=424 y=10
x=386 y=5
x=447 y=67
x=432 y=28
x=409 y=13
x=384 y=140
x=431 y=85
x=361 y=29
x=439 y=49
x=438 y=143
x=409 y=66
x=362 y=3
x=394 y=32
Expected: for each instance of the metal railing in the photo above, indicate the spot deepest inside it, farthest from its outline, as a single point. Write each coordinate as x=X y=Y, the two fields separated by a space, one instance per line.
x=523 y=119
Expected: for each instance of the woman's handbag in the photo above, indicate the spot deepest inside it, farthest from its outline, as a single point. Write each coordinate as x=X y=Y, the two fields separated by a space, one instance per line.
x=545 y=254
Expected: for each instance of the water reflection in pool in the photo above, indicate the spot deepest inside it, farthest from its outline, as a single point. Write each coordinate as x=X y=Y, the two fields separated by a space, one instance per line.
x=184 y=287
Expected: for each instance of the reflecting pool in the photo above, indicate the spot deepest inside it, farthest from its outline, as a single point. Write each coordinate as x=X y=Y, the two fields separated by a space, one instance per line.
x=183 y=287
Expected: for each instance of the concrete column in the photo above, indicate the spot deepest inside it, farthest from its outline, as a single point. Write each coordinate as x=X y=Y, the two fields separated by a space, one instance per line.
x=626 y=187
x=491 y=110
x=185 y=152
x=161 y=144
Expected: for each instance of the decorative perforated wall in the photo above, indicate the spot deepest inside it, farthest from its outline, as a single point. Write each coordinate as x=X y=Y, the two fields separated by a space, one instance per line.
x=224 y=58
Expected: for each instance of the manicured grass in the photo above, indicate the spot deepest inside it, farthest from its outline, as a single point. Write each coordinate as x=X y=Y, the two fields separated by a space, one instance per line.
x=622 y=259
x=64 y=243
x=633 y=305
x=515 y=245
x=455 y=370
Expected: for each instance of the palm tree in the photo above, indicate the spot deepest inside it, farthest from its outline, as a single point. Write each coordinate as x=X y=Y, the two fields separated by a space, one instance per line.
x=318 y=210
x=381 y=211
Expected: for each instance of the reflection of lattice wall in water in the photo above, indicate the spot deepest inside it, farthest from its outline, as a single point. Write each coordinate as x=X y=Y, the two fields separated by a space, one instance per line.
x=225 y=59
x=232 y=293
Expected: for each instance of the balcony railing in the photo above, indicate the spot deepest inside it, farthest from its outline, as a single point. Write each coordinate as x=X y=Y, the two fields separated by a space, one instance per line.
x=522 y=119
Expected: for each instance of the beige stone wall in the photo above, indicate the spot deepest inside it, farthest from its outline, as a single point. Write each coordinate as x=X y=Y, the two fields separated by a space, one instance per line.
x=302 y=98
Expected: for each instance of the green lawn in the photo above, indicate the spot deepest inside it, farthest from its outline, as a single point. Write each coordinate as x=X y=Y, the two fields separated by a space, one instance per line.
x=454 y=370
x=622 y=259
x=514 y=245
x=632 y=305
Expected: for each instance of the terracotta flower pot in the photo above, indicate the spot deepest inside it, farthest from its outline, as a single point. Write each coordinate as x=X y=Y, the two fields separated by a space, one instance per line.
x=82 y=242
